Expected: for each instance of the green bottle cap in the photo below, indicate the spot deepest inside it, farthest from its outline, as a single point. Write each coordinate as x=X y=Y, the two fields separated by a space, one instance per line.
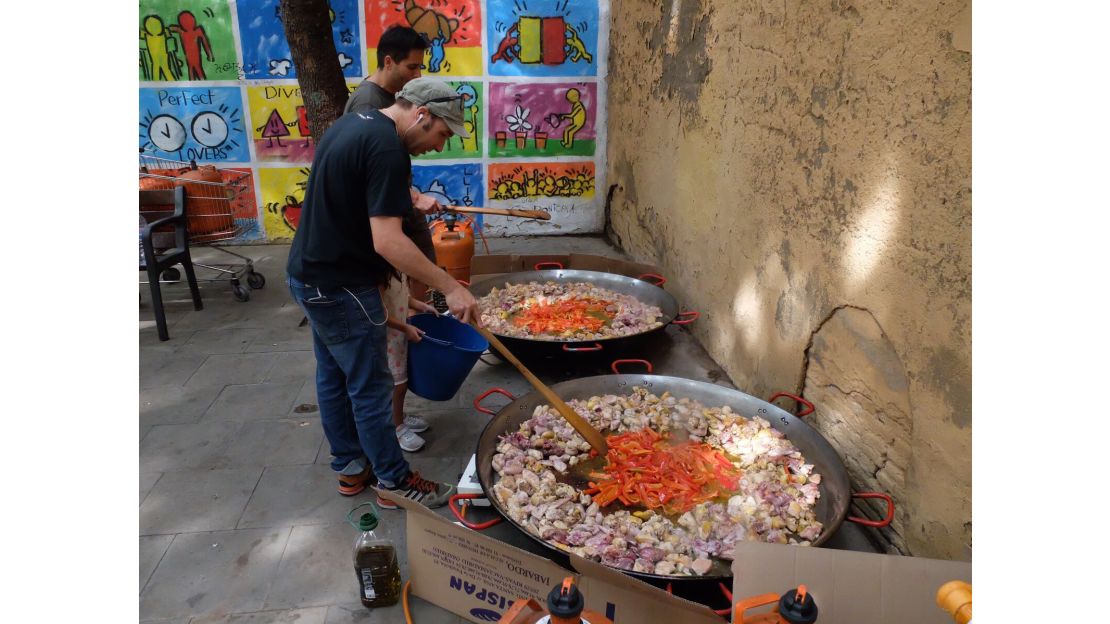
x=368 y=522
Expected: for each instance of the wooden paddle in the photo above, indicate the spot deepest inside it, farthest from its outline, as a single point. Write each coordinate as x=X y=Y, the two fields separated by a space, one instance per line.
x=593 y=436
x=542 y=215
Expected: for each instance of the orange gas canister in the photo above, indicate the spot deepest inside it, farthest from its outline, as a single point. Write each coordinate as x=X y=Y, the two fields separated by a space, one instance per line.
x=209 y=207
x=955 y=598
x=565 y=605
x=453 y=239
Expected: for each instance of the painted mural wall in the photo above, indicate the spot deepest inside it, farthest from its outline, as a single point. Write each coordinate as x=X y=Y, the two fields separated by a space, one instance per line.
x=217 y=86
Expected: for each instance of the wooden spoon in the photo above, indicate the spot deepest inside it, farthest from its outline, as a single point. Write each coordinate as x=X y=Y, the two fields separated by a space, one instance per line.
x=542 y=215
x=593 y=436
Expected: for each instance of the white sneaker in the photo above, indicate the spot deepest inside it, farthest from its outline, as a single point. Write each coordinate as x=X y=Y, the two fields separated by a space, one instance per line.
x=408 y=439
x=415 y=424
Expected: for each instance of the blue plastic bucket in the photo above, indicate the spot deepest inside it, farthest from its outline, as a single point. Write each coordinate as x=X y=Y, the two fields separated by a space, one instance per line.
x=440 y=362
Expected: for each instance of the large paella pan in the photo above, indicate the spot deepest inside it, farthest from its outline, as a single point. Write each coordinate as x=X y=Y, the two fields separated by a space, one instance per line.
x=809 y=457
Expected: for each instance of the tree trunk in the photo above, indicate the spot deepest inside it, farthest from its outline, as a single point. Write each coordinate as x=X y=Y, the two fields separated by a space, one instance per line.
x=308 y=29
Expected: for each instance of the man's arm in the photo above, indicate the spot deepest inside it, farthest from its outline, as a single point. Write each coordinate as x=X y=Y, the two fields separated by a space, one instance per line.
x=391 y=243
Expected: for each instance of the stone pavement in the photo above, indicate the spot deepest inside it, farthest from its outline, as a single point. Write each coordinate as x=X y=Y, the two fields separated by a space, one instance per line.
x=240 y=521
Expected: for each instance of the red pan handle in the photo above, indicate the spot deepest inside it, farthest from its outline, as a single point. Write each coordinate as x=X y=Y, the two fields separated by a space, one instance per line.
x=875 y=523
x=597 y=347
x=551 y=265
x=808 y=406
x=464 y=283
x=617 y=371
x=693 y=314
x=478 y=401
x=656 y=279
x=458 y=514
x=728 y=596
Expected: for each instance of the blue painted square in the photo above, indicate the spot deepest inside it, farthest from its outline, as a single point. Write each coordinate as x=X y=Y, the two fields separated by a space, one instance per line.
x=204 y=124
x=515 y=50
x=459 y=185
x=266 y=51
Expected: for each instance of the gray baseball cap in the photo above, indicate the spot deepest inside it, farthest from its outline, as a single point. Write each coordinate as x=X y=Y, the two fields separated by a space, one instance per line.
x=441 y=100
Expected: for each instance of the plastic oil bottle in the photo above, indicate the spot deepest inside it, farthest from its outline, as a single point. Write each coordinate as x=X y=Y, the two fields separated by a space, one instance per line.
x=379 y=577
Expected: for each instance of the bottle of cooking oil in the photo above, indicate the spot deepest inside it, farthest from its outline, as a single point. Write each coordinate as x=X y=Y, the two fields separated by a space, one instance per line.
x=379 y=577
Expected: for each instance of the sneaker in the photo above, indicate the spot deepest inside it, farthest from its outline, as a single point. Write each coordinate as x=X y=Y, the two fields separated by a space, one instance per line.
x=415 y=424
x=349 y=485
x=431 y=494
x=408 y=439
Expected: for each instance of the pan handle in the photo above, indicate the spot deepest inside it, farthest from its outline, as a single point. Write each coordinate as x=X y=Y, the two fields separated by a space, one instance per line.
x=875 y=523
x=616 y=370
x=693 y=314
x=477 y=526
x=728 y=596
x=551 y=265
x=808 y=406
x=656 y=279
x=597 y=347
x=478 y=401
x=463 y=282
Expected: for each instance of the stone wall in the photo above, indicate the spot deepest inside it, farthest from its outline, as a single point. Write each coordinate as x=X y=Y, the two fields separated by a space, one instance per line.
x=802 y=172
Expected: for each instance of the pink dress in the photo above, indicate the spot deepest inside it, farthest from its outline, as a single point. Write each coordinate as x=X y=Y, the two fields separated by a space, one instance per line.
x=396 y=299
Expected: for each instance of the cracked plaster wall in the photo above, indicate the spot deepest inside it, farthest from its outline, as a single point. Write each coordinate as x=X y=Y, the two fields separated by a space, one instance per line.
x=796 y=166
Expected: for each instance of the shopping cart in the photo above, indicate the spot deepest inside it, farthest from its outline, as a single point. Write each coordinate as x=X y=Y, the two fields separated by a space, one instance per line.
x=220 y=208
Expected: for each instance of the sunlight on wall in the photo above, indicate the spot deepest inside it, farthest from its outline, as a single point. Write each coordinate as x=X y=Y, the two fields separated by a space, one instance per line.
x=747 y=311
x=870 y=232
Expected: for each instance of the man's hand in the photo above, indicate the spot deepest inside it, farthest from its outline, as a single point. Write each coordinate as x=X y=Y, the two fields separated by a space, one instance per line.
x=426 y=204
x=463 y=305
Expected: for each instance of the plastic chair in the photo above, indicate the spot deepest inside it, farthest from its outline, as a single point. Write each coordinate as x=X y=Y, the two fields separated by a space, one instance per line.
x=155 y=261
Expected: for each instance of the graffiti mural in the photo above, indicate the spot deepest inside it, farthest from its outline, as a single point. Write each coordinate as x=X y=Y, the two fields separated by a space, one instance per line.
x=282 y=195
x=470 y=147
x=186 y=40
x=542 y=119
x=535 y=180
x=281 y=131
x=204 y=124
x=452 y=28
x=266 y=51
x=542 y=37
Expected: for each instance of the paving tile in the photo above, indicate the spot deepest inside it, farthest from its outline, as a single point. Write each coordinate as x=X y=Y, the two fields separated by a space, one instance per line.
x=282 y=338
x=167 y=369
x=451 y=433
x=273 y=443
x=305 y=403
x=175 y=405
x=246 y=368
x=214 y=573
x=213 y=341
x=423 y=612
x=288 y=495
x=312 y=615
x=253 y=402
x=296 y=366
x=317 y=568
x=146 y=482
x=197 y=500
x=174 y=447
x=151 y=549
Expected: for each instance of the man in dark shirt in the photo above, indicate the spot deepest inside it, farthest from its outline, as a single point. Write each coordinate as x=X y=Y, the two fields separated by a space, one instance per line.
x=349 y=242
x=400 y=58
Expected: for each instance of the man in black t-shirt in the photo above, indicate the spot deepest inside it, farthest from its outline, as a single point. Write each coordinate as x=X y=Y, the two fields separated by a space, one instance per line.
x=348 y=243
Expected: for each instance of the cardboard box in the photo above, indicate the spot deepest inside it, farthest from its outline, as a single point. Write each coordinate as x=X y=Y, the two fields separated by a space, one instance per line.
x=483 y=267
x=479 y=578
x=848 y=587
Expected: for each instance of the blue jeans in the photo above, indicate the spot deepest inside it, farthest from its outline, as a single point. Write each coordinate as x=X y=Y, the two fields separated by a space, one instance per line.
x=354 y=387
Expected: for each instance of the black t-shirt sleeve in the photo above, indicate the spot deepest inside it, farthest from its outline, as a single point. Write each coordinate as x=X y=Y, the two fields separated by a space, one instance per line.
x=387 y=185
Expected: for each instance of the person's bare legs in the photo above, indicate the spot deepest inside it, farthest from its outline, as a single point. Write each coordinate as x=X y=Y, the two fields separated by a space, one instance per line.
x=399 y=392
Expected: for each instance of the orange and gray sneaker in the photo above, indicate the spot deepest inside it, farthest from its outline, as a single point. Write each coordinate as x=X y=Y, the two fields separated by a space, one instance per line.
x=431 y=494
x=352 y=484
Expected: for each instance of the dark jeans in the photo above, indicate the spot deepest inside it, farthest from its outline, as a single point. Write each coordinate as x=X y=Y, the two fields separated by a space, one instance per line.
x=354 y=387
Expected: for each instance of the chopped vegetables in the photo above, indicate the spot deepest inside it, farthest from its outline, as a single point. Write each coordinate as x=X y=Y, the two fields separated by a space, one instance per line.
x=645 y=469
x=565 y=311
x=567 y=315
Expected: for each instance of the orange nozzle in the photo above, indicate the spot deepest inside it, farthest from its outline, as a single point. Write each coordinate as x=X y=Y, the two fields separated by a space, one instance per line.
x=568 y=582
x=801 y=595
